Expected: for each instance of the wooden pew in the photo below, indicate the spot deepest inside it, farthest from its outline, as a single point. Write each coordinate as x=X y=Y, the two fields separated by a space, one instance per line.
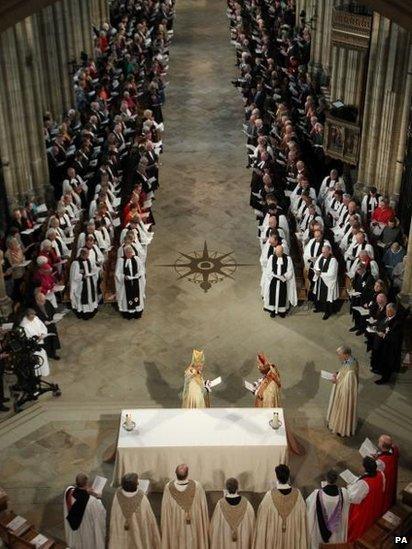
x=381 y=535
x=23 y=537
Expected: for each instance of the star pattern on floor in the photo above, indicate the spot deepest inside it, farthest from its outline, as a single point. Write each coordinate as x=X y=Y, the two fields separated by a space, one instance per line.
x=206 y=268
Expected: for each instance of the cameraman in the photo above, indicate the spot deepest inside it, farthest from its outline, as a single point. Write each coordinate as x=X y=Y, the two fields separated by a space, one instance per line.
x=3 y=356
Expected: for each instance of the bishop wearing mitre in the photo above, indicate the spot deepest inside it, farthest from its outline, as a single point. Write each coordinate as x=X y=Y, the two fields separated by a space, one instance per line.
x=342 y=412
x=132 y=521
x=233 y=522
x=267 y=392
x=267 y=395
x=184 y=514
x=195 y=392
x=281 y=517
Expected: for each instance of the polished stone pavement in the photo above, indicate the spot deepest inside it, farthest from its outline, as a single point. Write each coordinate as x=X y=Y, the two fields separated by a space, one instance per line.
x=110 y=363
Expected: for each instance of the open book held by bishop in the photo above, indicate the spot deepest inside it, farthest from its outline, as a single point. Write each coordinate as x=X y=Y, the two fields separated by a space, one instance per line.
x=195 y=393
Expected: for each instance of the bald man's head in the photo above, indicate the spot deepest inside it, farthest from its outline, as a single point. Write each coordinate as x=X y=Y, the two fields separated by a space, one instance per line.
x=182 y=471
x=385 y=442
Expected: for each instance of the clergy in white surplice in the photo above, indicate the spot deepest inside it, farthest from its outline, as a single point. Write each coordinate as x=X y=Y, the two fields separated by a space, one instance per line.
x=83 y=286
x=313 y=249
x=96 y=256
x=132 y=240
x=233 y=521
x=34 y=327
x=268 y=249
x=281 y=518
x=130 y=284
x=272 y=225
x=84 y=516
x=326 y=283
x=328 y=513
x=342 y=416
x=328 y=185
x=279 y=284
x=358 y=243
x=184 y=514
x=132 y=521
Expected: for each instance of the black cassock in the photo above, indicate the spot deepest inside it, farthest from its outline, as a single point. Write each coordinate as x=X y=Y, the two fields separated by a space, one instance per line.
x=320 y=289
x=278 y=290
x=132 y=289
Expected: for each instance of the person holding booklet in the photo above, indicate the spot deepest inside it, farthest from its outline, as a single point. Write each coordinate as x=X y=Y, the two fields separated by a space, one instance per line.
x=366 y=495
x=233 y=521
x=267 y=395
x=387 y=458
x=342 y=411
x=196 y=389
x=267 y=388
x=281 y=521
x=132 y=521
x=328 y=512
x=84 y=516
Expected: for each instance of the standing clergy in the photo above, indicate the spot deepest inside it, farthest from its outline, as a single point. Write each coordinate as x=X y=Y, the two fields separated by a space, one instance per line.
x=233 y=521
x=195 y=392
x=342 y=411
x=34 y=327
x=267 y=392
x=279 y=284
x=130 y=284
x=132 y=521
x=83 y=286
x=84 y=516
x=328 y=513
x=184 y=514
x=281 y=517
x=387 y=459
x=366 y=495
x=267 y=395
x=326 y=284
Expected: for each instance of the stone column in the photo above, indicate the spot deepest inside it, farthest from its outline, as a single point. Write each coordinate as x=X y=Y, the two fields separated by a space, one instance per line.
x=406 y=292
x=85 y=8
x=387 y=104
x=319 y=13
x=22 y=148
x=104 y=11
x=51 y=43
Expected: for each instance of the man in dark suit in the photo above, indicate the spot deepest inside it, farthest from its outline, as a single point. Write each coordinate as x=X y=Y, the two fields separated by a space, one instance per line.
x=387 y=345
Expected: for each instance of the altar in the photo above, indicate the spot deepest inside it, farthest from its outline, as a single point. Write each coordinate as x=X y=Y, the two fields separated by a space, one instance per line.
x=216 y=443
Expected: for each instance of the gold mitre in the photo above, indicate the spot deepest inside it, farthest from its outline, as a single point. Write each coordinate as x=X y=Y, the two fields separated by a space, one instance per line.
x=198 y=357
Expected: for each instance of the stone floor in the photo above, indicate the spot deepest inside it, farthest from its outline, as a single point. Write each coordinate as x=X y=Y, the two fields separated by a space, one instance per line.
x=110 y=363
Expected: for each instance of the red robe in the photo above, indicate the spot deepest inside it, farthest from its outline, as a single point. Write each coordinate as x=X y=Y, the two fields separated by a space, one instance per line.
x=383 y=215
x=362 y=515
x=390 y=459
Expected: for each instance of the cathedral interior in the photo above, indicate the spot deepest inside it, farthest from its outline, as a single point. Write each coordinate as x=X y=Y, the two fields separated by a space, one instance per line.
x=202 y=268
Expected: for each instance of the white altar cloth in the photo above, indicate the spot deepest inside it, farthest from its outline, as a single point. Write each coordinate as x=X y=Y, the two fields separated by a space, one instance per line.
x=216 y=443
